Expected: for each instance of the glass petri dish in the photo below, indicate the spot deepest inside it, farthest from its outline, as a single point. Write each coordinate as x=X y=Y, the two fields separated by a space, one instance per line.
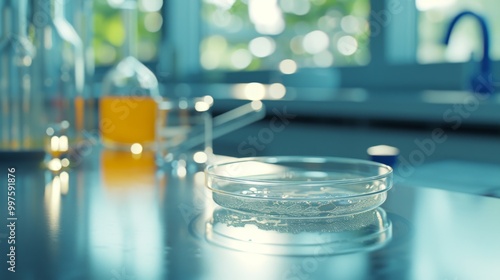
x=299 y=186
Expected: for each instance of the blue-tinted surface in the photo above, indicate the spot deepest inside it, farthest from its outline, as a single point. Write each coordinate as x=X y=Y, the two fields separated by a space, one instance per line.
x=119 y=218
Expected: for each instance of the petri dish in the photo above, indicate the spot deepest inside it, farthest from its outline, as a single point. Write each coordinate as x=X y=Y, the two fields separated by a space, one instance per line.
x=299 y=186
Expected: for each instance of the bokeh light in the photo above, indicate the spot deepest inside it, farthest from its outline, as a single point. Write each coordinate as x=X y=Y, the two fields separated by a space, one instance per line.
x=262 y=46
x=136 y=149
x=296 y=45
x=115 y=32
x=288 y=66
x=222 y=4
x=257 y=105
x=201 y=106
x=255 y=91
x=65 y=162
x=200 y=157
x=347 y=45
x=298 y=7
x=153 y=22
x=54 y=165
x=350 y=24
x=424 y=5
x=214 y=48
x=150 y=5
x=266 y=16
x=277 y=91
x=316 y=42
x=116 y=3
x=241 y=58
x=327 y=23
x=221 y=18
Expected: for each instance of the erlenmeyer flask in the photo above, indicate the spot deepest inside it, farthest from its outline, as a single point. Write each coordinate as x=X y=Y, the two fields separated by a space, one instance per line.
x=60 y=75
x=19 y=106
x=129 y=93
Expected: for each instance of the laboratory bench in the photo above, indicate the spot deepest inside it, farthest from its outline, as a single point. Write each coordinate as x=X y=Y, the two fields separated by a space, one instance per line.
x=115 y=216
x=118 y=216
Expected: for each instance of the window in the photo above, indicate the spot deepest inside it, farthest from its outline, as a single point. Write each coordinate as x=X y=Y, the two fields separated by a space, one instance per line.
x=109 y=33
x=272 y=34
x=393 y=44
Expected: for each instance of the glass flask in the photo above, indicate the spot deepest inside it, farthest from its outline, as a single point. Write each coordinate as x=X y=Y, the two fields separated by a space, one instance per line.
x=60 y=75
x=128 y=104
x=19 y=106
x=80 y=16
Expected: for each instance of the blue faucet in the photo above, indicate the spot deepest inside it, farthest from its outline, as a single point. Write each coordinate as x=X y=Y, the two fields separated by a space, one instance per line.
x=482 y=81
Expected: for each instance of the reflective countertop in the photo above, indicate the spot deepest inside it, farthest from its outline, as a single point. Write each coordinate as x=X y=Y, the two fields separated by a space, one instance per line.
x=115 y=216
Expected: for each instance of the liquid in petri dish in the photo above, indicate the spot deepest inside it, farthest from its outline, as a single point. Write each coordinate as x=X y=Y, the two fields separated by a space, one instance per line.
x=127 y=120
x=291 y=187
x=299 y=200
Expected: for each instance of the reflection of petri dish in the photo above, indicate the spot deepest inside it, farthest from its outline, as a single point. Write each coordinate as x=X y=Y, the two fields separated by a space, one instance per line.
x=299 y=186
x=362 y=232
